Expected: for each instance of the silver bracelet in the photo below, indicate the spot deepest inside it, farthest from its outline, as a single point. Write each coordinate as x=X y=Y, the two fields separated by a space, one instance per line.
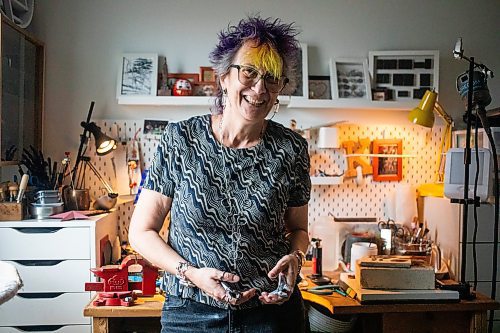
x=181 y=269
x=301 y=258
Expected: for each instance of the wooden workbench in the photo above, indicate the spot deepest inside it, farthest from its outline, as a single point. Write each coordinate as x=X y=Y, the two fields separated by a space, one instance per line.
x=143 y=315
x=462 y=317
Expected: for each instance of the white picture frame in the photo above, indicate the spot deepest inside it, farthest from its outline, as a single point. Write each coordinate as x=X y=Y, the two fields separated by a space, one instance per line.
x=138 y=74
x=350 y=78
x=300 y=87
x=421 y=65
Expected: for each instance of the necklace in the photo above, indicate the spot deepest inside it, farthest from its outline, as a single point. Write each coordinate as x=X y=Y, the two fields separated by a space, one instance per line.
x=236 y=220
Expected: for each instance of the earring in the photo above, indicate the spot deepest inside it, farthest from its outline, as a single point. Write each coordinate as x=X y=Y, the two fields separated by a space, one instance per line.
x=224 y=98
x=276 y=106
x=276 y=109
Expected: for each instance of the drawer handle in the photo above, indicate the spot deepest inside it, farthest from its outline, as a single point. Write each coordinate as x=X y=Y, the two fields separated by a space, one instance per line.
x=38 y=230
x=39 y=328
x=38 y=262
x=39 y=295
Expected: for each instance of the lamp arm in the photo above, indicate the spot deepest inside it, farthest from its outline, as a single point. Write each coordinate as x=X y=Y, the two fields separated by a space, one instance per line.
x=103 y=181
x=442 y=113
x=445 y=141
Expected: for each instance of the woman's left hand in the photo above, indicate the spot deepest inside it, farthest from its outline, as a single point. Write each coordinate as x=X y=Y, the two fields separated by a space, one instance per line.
x=288 y=265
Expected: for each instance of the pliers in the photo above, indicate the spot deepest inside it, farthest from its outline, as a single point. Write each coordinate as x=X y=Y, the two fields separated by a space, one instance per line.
x=327 y=289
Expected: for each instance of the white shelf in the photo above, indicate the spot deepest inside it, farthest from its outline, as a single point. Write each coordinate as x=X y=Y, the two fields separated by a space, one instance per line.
x=177 y=100
x=166 y=100
x=327 y=180
x=290 y=102
x=352 y=104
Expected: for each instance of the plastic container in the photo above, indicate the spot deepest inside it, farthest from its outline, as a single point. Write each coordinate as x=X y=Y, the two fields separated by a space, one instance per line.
x=327 y=230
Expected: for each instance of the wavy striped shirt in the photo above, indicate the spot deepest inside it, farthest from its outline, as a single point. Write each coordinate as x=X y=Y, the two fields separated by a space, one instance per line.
x=230 y=217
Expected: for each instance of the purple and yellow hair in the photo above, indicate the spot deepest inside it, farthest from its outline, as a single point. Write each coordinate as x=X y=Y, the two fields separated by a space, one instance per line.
x=276 y=48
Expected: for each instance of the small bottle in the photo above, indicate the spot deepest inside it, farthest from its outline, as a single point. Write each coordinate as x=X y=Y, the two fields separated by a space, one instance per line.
x=317 y=269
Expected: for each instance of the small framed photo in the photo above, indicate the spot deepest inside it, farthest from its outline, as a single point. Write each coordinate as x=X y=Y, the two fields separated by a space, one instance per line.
x=299 y=86
x=387 y=168
x=319 y=87
x=138 y=74
x=154 y=128
x=350 y=78
x=204 y=88
x=207 y=74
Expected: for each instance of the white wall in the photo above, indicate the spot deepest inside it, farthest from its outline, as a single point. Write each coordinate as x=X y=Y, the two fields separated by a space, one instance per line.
x=84 y=40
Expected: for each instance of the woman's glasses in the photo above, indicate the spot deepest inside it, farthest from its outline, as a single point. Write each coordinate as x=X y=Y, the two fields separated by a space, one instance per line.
x=249 y=76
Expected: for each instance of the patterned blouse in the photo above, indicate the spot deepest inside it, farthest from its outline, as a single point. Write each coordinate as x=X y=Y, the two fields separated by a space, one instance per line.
x=229 y=217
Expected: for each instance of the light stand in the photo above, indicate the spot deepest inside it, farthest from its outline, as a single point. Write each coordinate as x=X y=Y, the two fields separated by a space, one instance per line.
x=477 y=96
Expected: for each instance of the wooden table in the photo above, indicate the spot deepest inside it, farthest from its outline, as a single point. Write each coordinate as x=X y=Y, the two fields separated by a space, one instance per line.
x=465 y=316
x=462 y=317
x=144 y=316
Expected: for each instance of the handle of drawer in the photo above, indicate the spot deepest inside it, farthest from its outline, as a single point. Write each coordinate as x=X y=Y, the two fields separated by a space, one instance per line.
x=38 y=262
x=39 y=328
x=46 y=230
x=39 y=295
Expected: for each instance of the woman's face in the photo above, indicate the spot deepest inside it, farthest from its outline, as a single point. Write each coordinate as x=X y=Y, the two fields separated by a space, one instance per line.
x=252 y=102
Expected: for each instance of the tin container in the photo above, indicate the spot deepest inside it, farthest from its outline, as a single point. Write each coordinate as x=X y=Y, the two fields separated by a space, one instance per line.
x=41 y=211
x=47 y=197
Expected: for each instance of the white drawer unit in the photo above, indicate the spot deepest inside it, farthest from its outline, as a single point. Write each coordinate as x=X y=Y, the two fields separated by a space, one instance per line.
x=48 y=329
x=53 y=258
x=40 y=275
x=44 y=243
x=45 y=309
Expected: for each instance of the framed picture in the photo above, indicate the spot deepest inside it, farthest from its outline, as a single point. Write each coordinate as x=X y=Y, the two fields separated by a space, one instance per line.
x=204 y=88
x=299 y=86
x=207 y=74
x=172 y=77
x=319 y=87
x=138 y=74
x=406 y=74
x=350 y=78
x=387 y=168
x=154 y=128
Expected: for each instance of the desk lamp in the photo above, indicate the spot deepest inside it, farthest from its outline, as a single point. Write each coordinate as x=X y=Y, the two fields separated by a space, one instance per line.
x=104 y=145
x=424 y=115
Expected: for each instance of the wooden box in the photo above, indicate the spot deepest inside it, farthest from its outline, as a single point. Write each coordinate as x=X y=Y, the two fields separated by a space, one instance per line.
x=11 y=211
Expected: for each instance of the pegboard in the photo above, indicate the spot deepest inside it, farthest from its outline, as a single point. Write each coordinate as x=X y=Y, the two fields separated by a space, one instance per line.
x=343 y=200
x=350 y=200
x=113 y=167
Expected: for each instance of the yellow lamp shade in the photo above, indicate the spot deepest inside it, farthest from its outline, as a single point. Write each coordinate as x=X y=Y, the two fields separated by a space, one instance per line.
x=423 y=115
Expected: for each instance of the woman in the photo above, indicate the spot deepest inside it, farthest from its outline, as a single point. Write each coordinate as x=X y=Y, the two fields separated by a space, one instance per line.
x=237 y=187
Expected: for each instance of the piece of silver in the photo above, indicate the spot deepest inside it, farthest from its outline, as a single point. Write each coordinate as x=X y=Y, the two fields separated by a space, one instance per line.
x=230 y=292
x=283 y=290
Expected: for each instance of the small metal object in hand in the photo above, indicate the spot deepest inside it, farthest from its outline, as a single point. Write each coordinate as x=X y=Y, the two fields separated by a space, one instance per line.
x=283 y=289
x=230 y=292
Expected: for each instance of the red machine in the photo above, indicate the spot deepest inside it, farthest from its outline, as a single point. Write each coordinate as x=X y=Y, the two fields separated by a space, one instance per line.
x=118 y=281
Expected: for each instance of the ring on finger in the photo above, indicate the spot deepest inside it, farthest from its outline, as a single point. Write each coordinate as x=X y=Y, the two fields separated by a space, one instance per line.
x=222 y=276
x=228 y=298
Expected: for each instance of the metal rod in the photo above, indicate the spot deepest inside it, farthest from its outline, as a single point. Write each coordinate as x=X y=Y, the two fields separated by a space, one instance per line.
x=467 y=158
x=82 y=143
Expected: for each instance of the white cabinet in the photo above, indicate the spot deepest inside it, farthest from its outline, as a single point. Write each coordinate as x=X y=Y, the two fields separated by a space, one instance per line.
x=53 y=258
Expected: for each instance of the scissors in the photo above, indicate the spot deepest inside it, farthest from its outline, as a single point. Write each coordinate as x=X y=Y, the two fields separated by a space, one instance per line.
x=400 y=232
x=327 y=289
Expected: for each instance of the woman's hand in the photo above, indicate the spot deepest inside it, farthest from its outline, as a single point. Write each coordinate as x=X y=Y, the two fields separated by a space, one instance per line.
x=289 y=266
x=209 y=280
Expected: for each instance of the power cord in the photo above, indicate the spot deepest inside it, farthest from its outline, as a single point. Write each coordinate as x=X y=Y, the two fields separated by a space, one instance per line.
x=487 y=130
